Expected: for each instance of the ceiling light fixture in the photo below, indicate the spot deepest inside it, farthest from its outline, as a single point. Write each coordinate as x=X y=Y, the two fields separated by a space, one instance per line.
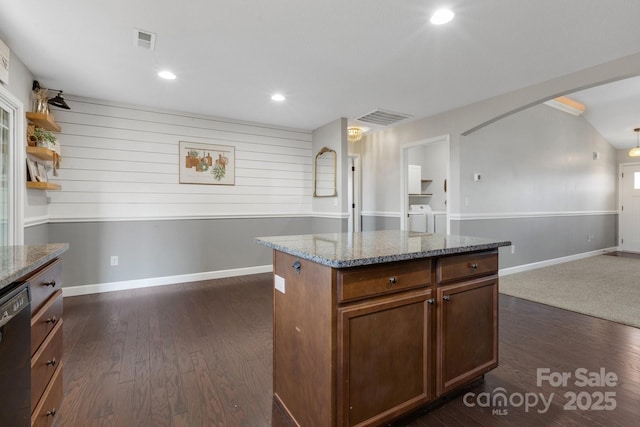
x=635 y=151
x=167 y=75
x=278 y=97
x=441 y=16
x=56 y=101
x=354 y=134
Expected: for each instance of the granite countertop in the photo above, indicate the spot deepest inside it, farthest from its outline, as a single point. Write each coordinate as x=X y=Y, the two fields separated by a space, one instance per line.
x=19 y=261
x=341 y=250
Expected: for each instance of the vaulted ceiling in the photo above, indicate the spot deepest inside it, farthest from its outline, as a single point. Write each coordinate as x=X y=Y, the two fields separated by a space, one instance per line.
x=330 y=58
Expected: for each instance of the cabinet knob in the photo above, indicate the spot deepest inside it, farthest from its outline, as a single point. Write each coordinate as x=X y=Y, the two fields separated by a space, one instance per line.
x=446 y=297
x=431 y=301
x=393 y=280
x=51 y=413
x=296 y=265
x=474 y=266
x=51 y=320
x=51 y=283
x=51 y=362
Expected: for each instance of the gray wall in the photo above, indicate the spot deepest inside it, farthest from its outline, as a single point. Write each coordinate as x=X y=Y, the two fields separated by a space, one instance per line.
x=589 y=188
x=541 y=186
x=148 y=249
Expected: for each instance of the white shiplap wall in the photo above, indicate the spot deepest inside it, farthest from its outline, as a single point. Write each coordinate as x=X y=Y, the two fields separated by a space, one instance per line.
x=122 y=162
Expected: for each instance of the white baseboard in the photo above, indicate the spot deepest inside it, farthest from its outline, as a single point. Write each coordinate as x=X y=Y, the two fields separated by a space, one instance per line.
x=162 y=281
x=549 y=262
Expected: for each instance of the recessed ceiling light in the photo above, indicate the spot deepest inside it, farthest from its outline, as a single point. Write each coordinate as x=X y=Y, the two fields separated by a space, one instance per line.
x=441 y=16
x=278 y=97
x=167 y=75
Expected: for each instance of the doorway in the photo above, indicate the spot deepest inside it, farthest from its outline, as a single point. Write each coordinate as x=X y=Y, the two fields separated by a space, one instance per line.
x=629 y=232
x=434 y=187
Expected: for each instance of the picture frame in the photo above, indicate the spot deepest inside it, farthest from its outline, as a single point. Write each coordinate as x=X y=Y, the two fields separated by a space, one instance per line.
x=42 y=173
x=202 y=163
x=32 y=168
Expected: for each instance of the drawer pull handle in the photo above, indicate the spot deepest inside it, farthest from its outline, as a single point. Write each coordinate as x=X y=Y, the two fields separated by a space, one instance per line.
x=446 y=297
x=51 y=362
x=431 y=301
x=296 y=265
x=51 y=320
x=474 y=266
x=393 y=280
x=51 y=283
x=51 y=413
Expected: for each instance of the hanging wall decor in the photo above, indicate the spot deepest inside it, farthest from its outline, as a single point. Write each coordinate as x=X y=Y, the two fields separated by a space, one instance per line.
x=207 y=163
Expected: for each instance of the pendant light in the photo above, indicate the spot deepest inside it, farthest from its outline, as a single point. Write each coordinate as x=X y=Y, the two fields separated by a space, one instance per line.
x=635 y=151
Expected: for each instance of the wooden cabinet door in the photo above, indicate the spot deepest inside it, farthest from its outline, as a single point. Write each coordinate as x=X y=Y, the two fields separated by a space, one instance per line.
x=385 y=357
x=467 y=331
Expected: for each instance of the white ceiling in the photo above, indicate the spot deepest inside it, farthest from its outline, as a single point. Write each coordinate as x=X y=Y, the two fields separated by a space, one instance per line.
x=330 y=58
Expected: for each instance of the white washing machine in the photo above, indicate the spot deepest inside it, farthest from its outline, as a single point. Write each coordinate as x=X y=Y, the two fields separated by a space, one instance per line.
x=421 y=219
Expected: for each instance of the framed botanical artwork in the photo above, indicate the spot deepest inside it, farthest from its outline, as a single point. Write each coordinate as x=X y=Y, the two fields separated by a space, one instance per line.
x=207 y=163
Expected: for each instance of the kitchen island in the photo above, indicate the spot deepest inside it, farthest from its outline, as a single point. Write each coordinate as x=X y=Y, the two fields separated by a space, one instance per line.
x=370 y=326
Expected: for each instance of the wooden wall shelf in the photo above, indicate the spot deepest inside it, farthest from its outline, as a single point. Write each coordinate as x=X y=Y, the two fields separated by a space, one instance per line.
x=44 y=121
x=41 y=153
x=43 y=185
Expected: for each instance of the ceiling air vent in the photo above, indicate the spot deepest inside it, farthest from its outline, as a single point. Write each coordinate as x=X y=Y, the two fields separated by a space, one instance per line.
x=144 y=39
x=382 y=117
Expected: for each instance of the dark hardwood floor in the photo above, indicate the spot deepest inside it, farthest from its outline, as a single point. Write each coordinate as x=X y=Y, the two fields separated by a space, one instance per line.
x=200 y=354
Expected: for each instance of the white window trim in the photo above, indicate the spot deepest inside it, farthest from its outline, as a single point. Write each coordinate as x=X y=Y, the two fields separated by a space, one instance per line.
x=16 y=167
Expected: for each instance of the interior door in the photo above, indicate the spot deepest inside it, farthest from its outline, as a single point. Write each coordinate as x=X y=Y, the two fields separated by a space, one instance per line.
x=630 y=208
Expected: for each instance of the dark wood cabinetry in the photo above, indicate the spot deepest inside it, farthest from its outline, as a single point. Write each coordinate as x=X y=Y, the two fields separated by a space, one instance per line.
x=467 y=332
x=46 y=343
x=362 y=346
x=384 y=365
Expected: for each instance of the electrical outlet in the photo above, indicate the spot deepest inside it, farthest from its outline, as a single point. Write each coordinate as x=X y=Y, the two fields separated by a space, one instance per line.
x=513 y=249
x=279 y=283
x=477 y=177
x=114 y=260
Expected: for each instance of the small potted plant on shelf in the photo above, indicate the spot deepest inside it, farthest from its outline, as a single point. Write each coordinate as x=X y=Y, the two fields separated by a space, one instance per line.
x=45 y=138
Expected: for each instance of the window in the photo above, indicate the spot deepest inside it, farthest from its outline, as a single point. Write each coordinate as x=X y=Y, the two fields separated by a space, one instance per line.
x=12 y=175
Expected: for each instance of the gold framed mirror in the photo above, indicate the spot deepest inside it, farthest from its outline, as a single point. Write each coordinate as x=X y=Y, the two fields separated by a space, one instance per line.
x=324 y=183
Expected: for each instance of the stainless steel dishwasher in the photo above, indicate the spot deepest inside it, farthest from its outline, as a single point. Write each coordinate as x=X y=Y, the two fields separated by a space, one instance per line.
x=15 y=355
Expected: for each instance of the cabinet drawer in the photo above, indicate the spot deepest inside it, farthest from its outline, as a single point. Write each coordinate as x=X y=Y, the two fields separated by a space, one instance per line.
x=44 y=320
x=46 y=412
x=44 y=283
x=45 y=362
x=361 y=282
x=466 y=266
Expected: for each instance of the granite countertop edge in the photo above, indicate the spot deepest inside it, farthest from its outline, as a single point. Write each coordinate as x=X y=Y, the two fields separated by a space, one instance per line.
x=382 y=258
x=36 y=257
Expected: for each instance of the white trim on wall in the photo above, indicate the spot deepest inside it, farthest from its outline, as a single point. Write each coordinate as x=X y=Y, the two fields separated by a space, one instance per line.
x=501 y=215
x=32 y=222
x=380 y=213
x=550 y=262
x=162 y=281
x=510 y=215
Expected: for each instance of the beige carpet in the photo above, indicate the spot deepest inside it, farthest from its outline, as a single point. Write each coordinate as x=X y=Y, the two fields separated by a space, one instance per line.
x=603 y=286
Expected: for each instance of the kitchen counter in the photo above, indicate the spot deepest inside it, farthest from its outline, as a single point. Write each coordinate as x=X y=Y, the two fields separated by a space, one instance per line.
x=340 y=250
x=19 y=261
